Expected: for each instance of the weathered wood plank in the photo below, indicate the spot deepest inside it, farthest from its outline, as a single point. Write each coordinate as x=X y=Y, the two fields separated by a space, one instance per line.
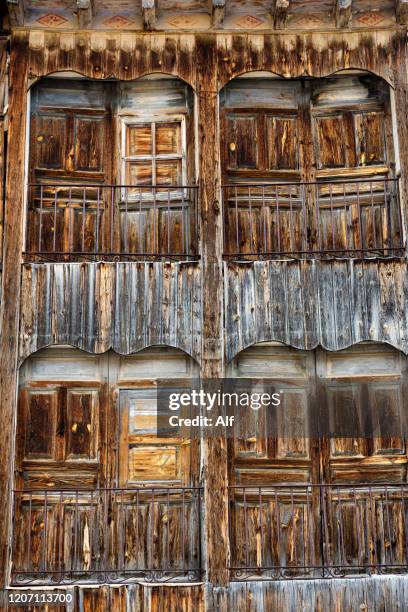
x=126 y=307
x=343 y=13
x=216 y=551
x=280 y=10
x=11 y=280
x=401 y=11
x=311 y=303
x=149 y=14
x=85 y=13
x=16 y=12
x=217 y=12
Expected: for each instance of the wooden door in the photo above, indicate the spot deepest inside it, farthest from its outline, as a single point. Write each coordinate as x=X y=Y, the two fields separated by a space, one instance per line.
x=362 y=394
x=356 y=202
x=273 y=460
x=260 y=144
x=70 y=148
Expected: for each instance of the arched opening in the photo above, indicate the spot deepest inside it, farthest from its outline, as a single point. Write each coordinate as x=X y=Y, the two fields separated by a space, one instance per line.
x=111 y=169
x=318 y=484
x=310 y=167
x=98 y=486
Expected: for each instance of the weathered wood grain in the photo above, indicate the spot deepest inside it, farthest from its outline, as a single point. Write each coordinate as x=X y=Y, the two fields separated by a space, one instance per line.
x=11 y=280
x=96 y=307
x=216 y=550
x=332 y=304
x=130 y=55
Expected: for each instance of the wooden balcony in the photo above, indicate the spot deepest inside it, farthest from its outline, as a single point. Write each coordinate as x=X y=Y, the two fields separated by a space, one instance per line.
x=109 y=535
x=324 y=220
x=276 y=532
x=318 y=531
x=93 y=222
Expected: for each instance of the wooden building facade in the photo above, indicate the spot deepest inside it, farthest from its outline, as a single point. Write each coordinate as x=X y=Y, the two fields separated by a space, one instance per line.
x=204 y=189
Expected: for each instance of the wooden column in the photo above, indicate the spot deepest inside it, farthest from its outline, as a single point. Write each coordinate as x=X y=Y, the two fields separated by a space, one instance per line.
x=216 y=542
x=9 y=311
x=401 y=105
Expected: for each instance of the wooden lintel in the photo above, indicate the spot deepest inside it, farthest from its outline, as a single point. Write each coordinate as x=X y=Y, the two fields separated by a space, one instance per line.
x=343 y=13
x=217 y=12
x=85 y=12
x=280 y=10
x=16 y=12
x=401 y=11
x=149 y=14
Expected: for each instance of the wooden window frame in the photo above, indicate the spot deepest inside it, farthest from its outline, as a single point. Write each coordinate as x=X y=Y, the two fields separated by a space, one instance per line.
x=153 y=120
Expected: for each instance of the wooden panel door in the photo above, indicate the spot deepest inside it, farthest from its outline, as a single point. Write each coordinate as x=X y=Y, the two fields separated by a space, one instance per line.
x=273 y=460
x=354 y=157
x=70 y=144
x=362 y=394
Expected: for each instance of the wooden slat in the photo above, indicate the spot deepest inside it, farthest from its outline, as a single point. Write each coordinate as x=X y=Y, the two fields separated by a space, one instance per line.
x=126 y=307
x=85 y=12
x=401 y=11
x=343 y=13
x=16 y=12
x=217 y=11
x=280 y=9
x=149 y=14
x=310 y=303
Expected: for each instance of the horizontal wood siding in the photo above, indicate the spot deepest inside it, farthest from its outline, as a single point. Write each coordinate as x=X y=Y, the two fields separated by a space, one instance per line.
x=96 y=307
x=306 y=304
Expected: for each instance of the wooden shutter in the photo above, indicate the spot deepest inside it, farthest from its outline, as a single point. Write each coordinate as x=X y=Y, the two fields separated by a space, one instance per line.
x=282 y=142
x=144 y=456
x=41 y=408
x=242 y=142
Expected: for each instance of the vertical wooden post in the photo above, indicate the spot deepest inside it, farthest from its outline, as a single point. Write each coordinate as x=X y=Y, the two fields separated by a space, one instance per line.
x=401 y=104
x=11 y=280
x=216 y=541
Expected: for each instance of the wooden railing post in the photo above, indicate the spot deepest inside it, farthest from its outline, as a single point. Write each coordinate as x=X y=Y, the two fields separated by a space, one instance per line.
x=216 y=543
x=11 y=281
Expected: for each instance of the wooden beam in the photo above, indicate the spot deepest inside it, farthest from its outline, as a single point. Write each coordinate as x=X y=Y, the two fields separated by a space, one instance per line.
x=343 y=13
x=85 y=12
x=217 y=12
x=401 y=11
x=280 y=10
x=16 y=12
x=149 y=14
x=215 y=473
x=11 y=283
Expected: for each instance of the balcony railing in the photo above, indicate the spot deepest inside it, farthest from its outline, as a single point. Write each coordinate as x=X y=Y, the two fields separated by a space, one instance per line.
x=276 y=532
x=109 y=535
x=93 y=222
x=318 y=531
x=360 y=219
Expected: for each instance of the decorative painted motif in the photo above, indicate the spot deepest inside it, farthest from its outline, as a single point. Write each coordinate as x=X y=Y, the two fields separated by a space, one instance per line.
x=309 y=21
x=118 y=21
x=183 y=21
x=371 y=18
x=249 y=22
x=52 y=20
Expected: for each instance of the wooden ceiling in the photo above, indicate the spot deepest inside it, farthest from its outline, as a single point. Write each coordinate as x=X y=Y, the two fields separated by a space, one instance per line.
x=196 y=15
